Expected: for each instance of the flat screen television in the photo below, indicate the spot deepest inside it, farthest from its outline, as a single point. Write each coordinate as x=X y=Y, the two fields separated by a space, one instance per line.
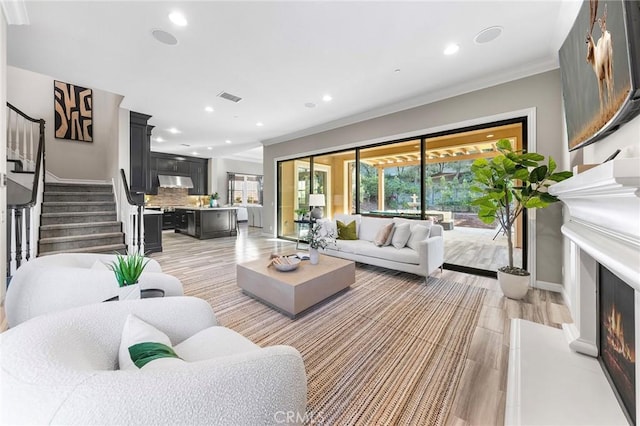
x=600 y=70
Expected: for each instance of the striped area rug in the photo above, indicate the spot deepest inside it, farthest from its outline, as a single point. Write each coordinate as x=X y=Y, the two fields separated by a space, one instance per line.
x=390 y=350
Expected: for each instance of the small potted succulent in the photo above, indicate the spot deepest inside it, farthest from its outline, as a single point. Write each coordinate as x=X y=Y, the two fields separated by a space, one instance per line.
x=127 y=270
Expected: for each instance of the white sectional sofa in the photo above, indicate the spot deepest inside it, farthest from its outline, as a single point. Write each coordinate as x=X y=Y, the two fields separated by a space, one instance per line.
x=426 y=256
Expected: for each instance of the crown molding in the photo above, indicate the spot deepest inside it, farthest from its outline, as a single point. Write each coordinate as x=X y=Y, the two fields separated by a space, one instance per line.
x=15 y=12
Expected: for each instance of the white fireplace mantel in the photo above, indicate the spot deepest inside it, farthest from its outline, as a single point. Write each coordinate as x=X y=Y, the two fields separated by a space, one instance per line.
x=604 y=215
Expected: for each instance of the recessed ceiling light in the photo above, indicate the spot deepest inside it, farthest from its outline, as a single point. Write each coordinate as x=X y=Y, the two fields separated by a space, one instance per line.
x=310 y=105
x=327 y=98
x=227 y=141
x=194 y=153
x=259 y=124
x=488 y=34
x=164 y=37
x=174 y=131
x=208 y=109
x=490 y=135
x=396 y=70
x=178 y=18
x=451 y=49
x=159 y=139
x=209 y=148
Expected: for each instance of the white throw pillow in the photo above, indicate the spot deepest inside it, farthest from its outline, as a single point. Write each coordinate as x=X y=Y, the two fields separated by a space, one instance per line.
x=401 y=235
x=418 y=233
x=214 y=342
x=136 y=331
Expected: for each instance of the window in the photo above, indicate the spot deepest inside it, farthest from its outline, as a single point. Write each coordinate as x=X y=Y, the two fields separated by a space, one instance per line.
x=244 y=189
x=425 y=177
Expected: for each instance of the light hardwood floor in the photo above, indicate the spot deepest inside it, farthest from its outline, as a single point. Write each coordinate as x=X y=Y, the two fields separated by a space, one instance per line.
x=481 y=394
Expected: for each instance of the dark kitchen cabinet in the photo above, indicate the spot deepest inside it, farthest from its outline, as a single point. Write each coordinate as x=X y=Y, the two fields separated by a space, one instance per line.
x=152 y=233
x=139 y=151
x=204 y=223
x=168 y=220
x=172 y=165
x=198 y=173
x=180 y=220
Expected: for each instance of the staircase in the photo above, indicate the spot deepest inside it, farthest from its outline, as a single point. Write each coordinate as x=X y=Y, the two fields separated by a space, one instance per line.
x=79 y=218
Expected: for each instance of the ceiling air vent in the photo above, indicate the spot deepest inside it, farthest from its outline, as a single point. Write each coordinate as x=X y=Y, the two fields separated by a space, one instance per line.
x=229 y=97
x=185 y=144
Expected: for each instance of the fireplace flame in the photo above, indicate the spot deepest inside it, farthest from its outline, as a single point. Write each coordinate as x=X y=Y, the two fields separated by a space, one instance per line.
x=615 y=335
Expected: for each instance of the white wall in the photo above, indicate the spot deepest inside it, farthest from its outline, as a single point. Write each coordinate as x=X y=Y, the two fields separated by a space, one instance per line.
x=3 y=153
x=218 y=168
x=32 y=93
x=627 y=139
x=542 y=91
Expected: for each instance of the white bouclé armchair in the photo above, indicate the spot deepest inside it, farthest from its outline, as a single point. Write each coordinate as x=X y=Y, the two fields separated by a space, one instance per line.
x=62 y=368
x=62 y=281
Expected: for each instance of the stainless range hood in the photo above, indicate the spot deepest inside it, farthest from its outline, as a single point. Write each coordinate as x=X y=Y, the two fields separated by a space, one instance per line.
x=175 y=181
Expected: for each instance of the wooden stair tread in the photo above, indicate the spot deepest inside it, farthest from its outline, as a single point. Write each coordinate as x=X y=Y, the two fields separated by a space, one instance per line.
x=79 y=237
x=96 y=249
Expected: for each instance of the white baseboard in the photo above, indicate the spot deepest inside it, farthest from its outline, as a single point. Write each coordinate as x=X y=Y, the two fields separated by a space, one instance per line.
x=555 y=287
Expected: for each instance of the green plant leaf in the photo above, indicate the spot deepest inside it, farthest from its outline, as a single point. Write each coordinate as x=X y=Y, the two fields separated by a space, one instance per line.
x=552 y=165
x=504 y=144
x=521 y=174
x=487 y=215
x=548 y=198
x=560 y=176
x=538 y=174
x=532 y=156
x=535 y=202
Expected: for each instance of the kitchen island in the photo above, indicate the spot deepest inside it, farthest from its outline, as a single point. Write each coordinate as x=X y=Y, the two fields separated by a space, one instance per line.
x=206 y=222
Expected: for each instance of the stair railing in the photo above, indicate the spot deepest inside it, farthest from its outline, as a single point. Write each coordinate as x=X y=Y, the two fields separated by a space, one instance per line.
x=22 y=235
x=132 y=219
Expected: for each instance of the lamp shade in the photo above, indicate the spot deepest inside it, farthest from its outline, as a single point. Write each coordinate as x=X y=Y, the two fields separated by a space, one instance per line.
x=316 y=200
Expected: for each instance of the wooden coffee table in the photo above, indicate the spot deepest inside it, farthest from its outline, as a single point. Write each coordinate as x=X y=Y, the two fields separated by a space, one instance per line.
x=296 y=291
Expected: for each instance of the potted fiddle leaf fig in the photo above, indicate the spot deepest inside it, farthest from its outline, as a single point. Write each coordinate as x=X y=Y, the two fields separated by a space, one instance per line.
x=506 y=185
x=127 y=270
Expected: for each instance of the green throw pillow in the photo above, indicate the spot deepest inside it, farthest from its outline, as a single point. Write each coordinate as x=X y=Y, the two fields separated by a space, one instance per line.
x=347 y=232
x=143 y=353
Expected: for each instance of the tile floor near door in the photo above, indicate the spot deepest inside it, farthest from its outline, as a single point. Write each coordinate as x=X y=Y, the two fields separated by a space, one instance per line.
x=480 y=398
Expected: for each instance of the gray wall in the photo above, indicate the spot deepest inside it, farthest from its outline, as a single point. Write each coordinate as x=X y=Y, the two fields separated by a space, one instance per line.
x=542 y=91
x=218 y=168
x=33 y=94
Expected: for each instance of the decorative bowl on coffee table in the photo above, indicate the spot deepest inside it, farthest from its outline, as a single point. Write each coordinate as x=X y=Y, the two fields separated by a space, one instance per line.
x=286 y=264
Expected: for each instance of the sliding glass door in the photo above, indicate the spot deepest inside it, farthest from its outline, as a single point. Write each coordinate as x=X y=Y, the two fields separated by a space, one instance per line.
x=426 y=178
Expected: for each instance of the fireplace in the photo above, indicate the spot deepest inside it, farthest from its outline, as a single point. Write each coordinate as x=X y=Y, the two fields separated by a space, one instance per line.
x=616 y=337
x=602 y=272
